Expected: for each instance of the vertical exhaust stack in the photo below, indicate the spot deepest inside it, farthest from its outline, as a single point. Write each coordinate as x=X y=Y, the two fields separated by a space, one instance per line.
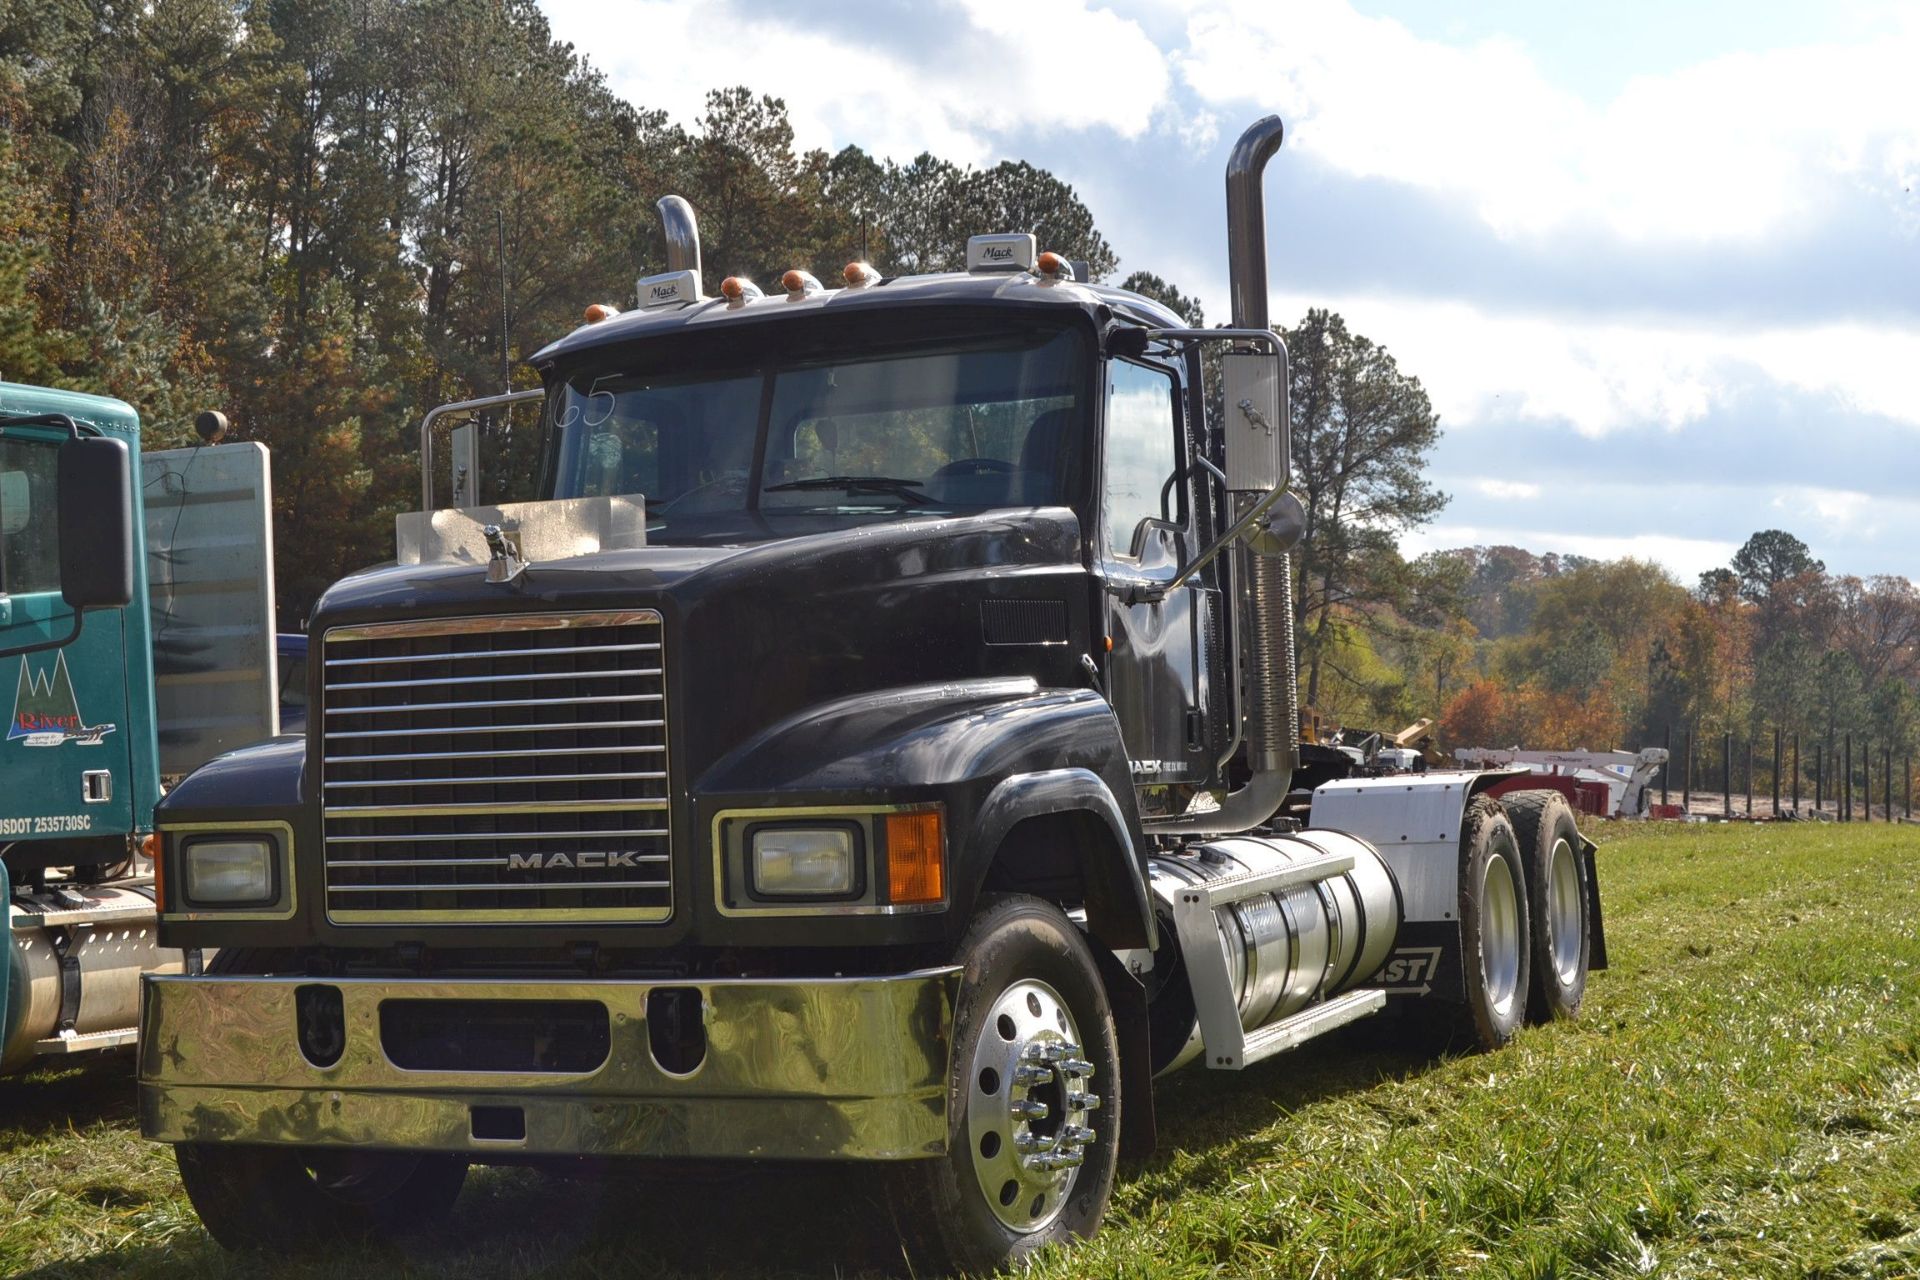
x=1272 y=742
x=1272 y=700
x=683 y=234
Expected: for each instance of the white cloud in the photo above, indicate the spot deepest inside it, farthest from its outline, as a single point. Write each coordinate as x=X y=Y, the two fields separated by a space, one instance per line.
x=1518 y=490
x=1734 y=149
x=1836 y=513
x=980 y=76
x=1603 y=375
x=1686 y=557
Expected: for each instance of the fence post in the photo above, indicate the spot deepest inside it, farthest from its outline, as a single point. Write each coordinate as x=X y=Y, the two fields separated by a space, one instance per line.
x=1886 y=780
x=1749 y=813
x=1727 y=774
x=1776 y=771
x=1666 y=740
x=1846 y=784
x=1686 y=779
x=1796 y=773
x=1866 y=782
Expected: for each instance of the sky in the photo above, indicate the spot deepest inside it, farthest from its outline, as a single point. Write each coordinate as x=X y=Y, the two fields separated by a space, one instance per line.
x=1656 y=263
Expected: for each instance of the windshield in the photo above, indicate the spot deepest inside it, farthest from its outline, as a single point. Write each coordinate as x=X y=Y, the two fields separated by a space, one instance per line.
x=793 y=445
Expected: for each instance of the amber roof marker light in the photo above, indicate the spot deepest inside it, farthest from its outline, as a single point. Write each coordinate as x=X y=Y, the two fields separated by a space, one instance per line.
x=800 y=285
x=1053 y=266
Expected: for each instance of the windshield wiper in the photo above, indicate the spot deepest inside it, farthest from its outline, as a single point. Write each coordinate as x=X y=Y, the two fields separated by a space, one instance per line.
x=907 y=490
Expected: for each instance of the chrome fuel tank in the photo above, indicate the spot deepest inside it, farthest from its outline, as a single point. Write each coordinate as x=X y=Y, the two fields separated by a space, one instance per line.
x=1283 y=950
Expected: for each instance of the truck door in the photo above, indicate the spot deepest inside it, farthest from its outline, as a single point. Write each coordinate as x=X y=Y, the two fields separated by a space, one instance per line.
x=1153 y=673
x=65 y=767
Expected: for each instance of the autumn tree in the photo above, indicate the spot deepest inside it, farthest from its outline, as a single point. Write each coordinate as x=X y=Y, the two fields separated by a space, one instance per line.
x=1361 y=434
x=1770 y=557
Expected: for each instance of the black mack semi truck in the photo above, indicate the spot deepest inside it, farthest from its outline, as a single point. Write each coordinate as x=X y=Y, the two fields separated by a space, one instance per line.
x=878 y=742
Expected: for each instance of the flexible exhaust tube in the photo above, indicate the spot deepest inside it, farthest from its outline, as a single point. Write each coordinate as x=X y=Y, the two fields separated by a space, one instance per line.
x=683 y=234
x=1273 y=696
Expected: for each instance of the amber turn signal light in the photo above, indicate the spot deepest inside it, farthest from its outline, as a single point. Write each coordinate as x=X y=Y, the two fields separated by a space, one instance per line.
x=916 y=857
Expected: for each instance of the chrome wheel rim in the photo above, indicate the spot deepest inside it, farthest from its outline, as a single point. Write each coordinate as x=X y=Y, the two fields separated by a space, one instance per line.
x=1028 y=1100
x=1564 y=913
x=1499 y=935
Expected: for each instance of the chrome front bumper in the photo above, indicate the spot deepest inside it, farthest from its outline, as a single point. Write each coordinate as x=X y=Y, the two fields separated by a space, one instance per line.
x=827 y=1068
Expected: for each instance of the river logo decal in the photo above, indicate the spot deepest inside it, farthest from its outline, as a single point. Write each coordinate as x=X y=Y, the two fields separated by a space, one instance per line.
x=45 y=713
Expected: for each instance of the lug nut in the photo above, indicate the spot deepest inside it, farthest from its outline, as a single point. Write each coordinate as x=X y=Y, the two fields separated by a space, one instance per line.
x=1076 y=1135
x=1035 y=1052
x=1032 y=1075
x=1083 y=1102
x=1028 y=1143
x=1077 y=1067
x=1027 y=1109
x=1056 y=1160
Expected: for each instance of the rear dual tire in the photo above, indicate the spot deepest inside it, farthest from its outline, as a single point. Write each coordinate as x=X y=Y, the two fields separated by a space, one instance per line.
x=1495 y=953
x=1558 y=901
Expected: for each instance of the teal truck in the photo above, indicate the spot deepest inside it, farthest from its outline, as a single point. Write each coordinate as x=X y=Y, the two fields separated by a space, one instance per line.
x=115 y=676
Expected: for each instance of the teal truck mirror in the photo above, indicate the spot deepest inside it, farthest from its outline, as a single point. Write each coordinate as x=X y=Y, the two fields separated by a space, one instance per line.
x=95 y=489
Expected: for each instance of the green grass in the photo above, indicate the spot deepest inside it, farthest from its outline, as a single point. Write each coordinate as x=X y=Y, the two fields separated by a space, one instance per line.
x=1740 y=1097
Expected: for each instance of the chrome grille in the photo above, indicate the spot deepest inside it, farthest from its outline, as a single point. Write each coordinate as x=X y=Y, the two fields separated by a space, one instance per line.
x=497 y=769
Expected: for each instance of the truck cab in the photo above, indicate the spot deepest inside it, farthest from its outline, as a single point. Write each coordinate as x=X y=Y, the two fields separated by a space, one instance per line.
x=875 y=741
x=79 y=773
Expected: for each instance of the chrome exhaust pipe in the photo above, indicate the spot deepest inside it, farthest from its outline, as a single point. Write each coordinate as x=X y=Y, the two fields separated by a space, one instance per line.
x=1247 y=221
x=1273 y=743
x=683 y=234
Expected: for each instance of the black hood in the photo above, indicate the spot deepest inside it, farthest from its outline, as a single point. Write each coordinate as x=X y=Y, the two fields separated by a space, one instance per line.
x=759 y=633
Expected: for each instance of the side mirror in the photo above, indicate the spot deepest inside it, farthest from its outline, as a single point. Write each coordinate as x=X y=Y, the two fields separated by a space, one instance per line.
x=94 y=483
x=1258 y=447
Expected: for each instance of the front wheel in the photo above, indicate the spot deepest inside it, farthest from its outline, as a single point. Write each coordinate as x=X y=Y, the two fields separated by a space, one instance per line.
x=286 y=1199
x=1033 y=1096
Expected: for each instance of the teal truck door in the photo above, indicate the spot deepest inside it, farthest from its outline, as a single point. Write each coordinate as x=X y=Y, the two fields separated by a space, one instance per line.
x=65 y=746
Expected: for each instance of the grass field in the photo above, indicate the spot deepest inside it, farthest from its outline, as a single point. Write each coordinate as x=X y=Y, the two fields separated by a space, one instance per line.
x=1741 y=1097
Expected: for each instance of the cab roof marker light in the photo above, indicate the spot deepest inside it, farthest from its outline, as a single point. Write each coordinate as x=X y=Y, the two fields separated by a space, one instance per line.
x=860 y=275
x=993 y=254
x=739 y=291
x=671 y=289
x=1054 y=269
x=598 y=311
x=800 y=285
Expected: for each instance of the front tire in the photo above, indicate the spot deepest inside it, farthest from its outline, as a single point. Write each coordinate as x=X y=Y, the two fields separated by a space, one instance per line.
x=1033 y=1096
x=1557 y=901
x=288 y=1199
x=1495 y=956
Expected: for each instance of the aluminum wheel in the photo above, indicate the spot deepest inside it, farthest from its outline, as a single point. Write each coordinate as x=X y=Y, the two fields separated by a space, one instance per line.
x=1564 y=914
x=1499 y=935
x=1027 y=1105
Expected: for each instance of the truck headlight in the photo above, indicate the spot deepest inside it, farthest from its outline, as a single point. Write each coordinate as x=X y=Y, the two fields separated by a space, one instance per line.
x=234 y=871
x=803 y=862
